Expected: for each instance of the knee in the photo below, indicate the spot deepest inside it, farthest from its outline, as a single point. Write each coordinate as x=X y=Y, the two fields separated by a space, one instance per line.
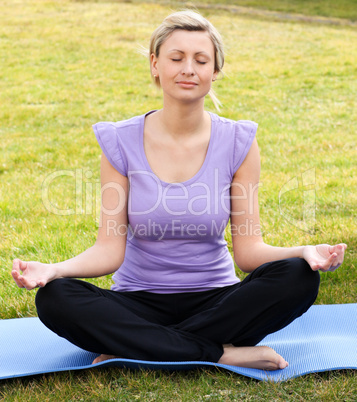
x=50 y=299
x=303 y=279
x=304 y=272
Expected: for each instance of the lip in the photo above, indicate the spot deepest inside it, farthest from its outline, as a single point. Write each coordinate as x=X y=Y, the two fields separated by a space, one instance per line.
x=187 y=84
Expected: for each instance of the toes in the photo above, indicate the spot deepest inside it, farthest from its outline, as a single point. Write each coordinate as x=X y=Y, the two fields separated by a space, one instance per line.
x=103 y=358
x=271 y=359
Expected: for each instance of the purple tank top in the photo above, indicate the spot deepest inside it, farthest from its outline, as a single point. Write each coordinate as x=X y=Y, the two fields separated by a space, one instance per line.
x=175 y=238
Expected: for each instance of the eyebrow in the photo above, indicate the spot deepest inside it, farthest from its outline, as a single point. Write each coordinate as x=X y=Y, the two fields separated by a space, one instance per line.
x=182 y=52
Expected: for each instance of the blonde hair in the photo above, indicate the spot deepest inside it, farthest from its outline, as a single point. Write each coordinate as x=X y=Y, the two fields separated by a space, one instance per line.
x=188 y=20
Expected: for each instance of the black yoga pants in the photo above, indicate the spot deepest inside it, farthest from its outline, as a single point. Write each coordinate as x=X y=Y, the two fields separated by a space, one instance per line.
x=181 y=326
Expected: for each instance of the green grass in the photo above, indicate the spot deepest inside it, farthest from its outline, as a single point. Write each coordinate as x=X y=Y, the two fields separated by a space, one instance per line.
x=322 y=10
x=66 y=65
x=326 y=8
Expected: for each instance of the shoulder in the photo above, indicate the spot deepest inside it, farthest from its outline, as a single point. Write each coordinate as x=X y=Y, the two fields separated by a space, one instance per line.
x=118 y=126
x=238 y=135
x=118 y=139
x=242 y=127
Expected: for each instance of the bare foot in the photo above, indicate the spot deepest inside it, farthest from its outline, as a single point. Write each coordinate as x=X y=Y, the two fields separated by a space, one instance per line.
x=259 y=357
x=103 y=358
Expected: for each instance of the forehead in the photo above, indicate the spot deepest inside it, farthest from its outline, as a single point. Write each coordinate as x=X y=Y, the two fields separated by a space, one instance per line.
x=189 y=41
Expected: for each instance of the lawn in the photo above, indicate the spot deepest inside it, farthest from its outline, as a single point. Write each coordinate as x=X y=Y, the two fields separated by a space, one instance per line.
x=66 y=65
x=330 y=9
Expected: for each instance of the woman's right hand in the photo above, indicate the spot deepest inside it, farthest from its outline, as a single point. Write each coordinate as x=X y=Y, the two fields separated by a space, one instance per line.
x=32 y=274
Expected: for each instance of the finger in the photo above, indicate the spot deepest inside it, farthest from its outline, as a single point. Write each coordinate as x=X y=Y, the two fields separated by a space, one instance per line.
x=24 y=282
x=41 y=283
x=332 y=269
x=29 y=285
x=340 y=250
x=329 y=263
x=16 y=265
x=315 y=266
x=335 y=264
x=16 y=276
x=19 y=265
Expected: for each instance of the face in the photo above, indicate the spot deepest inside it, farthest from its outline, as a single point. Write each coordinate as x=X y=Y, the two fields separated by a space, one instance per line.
x=185 y=65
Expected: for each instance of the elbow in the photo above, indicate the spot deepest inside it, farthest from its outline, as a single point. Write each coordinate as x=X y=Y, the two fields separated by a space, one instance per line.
x=244 y=266
x=247 y=254
x=117 y=259
x=112 y=255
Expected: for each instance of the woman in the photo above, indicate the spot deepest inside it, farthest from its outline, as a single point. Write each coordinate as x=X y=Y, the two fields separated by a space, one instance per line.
x=171 y=181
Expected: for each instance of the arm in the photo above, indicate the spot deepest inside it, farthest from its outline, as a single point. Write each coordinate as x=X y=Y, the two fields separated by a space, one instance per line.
x=105 y=256
x=249 y=249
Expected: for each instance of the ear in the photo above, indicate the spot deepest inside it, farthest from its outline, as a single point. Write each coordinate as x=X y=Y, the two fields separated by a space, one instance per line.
x=153 y=65
x=214 y=76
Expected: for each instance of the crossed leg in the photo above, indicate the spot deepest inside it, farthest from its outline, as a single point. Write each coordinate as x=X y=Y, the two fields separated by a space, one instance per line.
x=242 y=315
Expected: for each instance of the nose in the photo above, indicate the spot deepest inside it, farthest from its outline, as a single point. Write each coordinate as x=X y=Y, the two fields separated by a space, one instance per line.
x=187 y=68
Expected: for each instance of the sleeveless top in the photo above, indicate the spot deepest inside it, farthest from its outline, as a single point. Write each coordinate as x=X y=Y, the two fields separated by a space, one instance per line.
x=175 y=236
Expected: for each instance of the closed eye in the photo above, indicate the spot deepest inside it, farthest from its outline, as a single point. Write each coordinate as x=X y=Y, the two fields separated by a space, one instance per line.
x=198 y=61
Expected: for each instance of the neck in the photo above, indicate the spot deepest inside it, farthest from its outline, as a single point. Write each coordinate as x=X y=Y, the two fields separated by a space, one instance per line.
x=183 y=120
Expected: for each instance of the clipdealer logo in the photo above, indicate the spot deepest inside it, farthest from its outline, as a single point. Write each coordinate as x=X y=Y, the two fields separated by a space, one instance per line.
x=87 y=196
x=302 y=212
x=297 y=197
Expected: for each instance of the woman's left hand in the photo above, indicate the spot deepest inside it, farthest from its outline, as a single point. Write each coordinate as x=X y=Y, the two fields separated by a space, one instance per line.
x=324 y=257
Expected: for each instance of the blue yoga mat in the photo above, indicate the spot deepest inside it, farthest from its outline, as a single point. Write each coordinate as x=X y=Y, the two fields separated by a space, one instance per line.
x=324 y=338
